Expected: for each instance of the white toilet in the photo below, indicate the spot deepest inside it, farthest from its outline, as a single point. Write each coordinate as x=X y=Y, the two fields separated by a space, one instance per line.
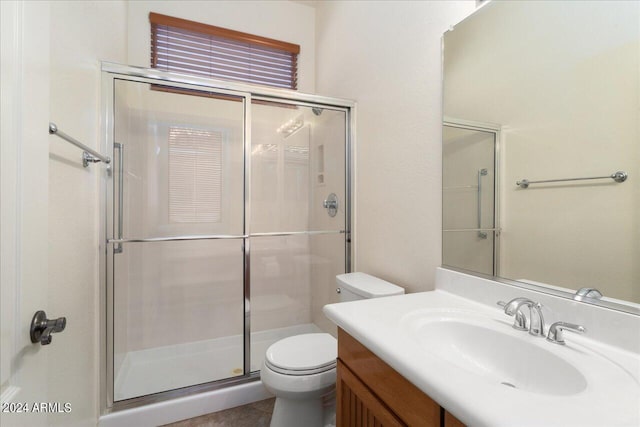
x=301 y=370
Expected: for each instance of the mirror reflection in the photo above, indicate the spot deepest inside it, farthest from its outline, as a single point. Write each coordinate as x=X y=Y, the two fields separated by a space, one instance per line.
x=554 y=89
x=468 y=196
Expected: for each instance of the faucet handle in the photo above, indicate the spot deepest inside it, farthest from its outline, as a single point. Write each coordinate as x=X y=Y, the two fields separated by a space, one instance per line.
x=587 y=292
x=510 y=309
x=42 y=328
x=556 y=335
x=536 y=328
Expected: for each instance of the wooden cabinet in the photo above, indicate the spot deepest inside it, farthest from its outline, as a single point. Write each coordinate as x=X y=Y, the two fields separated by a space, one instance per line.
x=451 y=421
x=357 y=406
x=372 y=394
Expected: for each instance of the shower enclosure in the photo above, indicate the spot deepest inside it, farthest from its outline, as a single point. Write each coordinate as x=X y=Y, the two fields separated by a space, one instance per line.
x=470 y=238
x=226 y=220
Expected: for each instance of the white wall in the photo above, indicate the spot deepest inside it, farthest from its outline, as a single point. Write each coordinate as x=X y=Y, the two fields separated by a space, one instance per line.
x=82 y=34
x=24 y=203
x=9 y=75
x=386 y=56
x=54 y=75
x=280 y=20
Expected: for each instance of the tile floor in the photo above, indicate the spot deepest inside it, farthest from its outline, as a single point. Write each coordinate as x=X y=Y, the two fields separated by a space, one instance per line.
x=256 y=414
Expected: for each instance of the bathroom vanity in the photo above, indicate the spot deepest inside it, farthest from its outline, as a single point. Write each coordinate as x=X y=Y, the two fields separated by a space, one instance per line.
x=407 y=360
x=371 y=393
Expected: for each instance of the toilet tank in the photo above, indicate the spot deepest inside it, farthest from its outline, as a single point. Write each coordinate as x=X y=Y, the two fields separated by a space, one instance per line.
x=356 y=286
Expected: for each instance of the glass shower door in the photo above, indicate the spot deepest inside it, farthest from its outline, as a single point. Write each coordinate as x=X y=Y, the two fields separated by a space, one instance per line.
x=298 y=159
x=178 y=249
x=468 y=198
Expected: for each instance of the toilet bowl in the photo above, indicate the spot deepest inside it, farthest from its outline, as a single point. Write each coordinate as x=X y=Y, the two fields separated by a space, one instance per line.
x=301 y=370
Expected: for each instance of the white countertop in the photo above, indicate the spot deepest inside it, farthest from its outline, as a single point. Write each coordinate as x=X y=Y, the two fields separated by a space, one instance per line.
x=607 y=400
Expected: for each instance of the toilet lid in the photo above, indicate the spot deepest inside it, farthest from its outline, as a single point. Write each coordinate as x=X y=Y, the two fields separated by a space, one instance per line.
x=303 y=354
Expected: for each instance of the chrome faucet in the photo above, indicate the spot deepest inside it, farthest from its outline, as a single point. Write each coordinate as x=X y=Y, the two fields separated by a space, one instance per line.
x=536 y=319
x=556 y=335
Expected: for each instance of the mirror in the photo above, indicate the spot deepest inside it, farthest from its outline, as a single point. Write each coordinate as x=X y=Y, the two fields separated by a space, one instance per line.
x=558 y=84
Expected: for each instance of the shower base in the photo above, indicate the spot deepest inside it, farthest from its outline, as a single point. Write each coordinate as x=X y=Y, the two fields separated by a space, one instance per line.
x=149 y=371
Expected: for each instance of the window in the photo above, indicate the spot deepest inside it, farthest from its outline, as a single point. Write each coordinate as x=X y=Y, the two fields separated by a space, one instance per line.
x=195 y=175
x=204 y=50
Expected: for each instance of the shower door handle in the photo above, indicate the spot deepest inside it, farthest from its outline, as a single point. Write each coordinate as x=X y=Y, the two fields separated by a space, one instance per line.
x=117 y=248
x=481 y=173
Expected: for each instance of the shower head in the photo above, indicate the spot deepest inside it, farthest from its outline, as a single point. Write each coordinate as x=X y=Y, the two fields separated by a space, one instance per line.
x=317 y=110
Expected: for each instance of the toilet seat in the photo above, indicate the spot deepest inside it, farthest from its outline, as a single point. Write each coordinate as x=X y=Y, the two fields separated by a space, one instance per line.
x=304 y=354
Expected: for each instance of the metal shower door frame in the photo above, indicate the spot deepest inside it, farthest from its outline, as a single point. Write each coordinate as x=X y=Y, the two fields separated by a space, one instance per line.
x=108 y=240
x=496 y=130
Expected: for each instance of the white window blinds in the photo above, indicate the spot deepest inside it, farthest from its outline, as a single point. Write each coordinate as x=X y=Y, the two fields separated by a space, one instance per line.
x=204 y=50
x=195 y=175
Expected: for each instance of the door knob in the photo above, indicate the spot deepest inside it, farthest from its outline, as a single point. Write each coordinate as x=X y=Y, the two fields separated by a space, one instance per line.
x=42 y=328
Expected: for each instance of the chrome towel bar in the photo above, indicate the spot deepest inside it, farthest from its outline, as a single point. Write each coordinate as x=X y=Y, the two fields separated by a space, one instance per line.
x=619 y=176
x=88 y=156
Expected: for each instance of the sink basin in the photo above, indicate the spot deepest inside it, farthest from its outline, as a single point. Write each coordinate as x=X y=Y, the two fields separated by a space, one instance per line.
x=468 y=358
x=493 y=351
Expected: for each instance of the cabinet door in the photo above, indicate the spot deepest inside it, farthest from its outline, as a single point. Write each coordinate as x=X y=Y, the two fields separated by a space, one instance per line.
x=357 y=406
x=404 y=399
x=451 y=421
